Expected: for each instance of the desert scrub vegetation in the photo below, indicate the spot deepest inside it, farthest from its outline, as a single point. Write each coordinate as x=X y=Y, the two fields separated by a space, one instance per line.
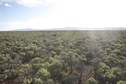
x=63 y=57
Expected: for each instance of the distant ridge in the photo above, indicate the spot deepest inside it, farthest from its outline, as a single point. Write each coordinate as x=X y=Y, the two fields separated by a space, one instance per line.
x=82 y=28
x=24 y=29
x=68 y=28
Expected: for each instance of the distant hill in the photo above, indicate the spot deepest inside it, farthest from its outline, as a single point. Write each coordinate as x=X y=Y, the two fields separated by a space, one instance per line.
x=81 y=28
x=24 y=29
x=68 y=28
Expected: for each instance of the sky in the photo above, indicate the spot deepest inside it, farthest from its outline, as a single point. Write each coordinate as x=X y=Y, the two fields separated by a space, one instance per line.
x=47 y=14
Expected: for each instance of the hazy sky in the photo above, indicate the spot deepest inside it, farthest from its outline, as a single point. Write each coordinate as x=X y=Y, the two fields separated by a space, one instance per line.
x=42 y=14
